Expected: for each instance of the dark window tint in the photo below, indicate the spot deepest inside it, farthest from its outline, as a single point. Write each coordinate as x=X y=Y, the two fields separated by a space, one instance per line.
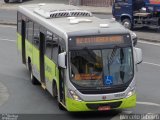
x=30 y=31
x=27 y=24
x=49 y=43
x=36 y=35
x=52 y=46
x=55 y=48
x=62 y=45
x=19 y=22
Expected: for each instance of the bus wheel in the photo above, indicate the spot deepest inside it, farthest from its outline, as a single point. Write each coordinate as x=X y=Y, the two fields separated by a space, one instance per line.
x=127 y=23
x=33 y=79
x=6 y=1
x=54 y=89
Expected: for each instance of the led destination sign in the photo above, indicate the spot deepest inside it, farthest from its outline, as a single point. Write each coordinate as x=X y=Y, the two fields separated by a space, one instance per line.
x=107 y=41
x=99 y=40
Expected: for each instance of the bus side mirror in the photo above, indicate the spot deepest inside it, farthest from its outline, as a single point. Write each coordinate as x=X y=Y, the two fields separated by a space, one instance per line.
x=133 y=37
x=62 y=60
x=138 y=56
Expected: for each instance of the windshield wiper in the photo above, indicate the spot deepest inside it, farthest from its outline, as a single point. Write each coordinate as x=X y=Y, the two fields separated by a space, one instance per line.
x=113 y=53
x=91 y=54
x=122 y=73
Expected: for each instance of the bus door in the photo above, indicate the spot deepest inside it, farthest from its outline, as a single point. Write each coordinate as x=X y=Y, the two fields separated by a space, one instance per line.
x=61 y=85
x=62 y=81
x=41 y=58
x=23 y=33
x=121 y=7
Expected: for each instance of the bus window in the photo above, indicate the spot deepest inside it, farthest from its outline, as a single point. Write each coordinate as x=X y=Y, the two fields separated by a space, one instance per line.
x=36 y=35
x=52 y=46
x=49 y=45
x=30 y=31
x=91 y=67
x=86 y=65
x=27 y=24
x=19 y=22
x=55 y=48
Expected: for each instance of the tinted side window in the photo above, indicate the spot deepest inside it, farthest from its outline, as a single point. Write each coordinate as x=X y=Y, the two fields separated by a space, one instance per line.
x=27 y=24
x=19 y=22
x=52 y=46
x=62 y=45
x=36 y=35
x=55 y=48
x=49 y=43
x=30 y=31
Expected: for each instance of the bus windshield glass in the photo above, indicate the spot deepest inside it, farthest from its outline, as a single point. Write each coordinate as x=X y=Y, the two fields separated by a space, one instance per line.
x=101 y=67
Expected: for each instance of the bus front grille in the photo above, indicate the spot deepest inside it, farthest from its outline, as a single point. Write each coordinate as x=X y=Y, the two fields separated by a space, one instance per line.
x=95 y=106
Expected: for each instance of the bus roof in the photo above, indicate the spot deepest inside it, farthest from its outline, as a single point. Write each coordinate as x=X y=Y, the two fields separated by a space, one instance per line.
x=63 y=25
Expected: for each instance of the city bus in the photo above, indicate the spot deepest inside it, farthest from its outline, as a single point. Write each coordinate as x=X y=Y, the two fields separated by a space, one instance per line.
x=86 y=63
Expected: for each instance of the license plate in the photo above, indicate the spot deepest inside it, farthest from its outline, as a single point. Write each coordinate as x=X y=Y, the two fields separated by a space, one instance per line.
x=103 y=108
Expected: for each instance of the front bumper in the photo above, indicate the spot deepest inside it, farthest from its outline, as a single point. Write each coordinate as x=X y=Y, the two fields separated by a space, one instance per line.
x=73 y=105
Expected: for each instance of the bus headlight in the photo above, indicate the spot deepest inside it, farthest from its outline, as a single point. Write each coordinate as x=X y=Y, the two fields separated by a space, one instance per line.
x=74 y=96
x=131 y=92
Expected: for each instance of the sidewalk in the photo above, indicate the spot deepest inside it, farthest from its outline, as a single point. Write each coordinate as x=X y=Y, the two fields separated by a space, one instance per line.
x=95 y=10
x=149 y=35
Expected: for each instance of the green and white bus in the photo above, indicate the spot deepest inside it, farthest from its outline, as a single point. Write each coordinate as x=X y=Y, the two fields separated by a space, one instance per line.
x=87 y=63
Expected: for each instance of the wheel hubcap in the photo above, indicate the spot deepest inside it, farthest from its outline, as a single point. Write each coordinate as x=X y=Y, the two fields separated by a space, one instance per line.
x=126 y=25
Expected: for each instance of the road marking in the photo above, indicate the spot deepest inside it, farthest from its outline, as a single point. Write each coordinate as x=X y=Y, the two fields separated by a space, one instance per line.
x=149 y=43
x=148 y=103
x=149 y=63
x=8 y=40
x=8 y=26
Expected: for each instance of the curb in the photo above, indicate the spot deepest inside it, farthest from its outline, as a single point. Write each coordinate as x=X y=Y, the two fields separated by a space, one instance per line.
x=149 y=40
x=8 y=23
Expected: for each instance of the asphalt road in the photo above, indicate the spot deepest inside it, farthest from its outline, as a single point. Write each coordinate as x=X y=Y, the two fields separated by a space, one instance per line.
x=18 y=95
x=23 y=97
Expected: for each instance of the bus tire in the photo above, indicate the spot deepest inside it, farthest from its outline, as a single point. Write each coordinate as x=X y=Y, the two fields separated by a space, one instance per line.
x=6 y=1
x=55 y=93
x=33 y=79
x=127 y=23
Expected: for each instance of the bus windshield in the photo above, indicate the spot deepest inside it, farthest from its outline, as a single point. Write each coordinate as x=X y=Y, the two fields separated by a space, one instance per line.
x=101 y=68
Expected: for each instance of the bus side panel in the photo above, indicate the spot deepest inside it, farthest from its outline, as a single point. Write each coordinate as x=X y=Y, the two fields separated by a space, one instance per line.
x=19 y=46
x=50 y=69
x=35 y=63
x=29 y=50
x=19 y=42
x=51 y=73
